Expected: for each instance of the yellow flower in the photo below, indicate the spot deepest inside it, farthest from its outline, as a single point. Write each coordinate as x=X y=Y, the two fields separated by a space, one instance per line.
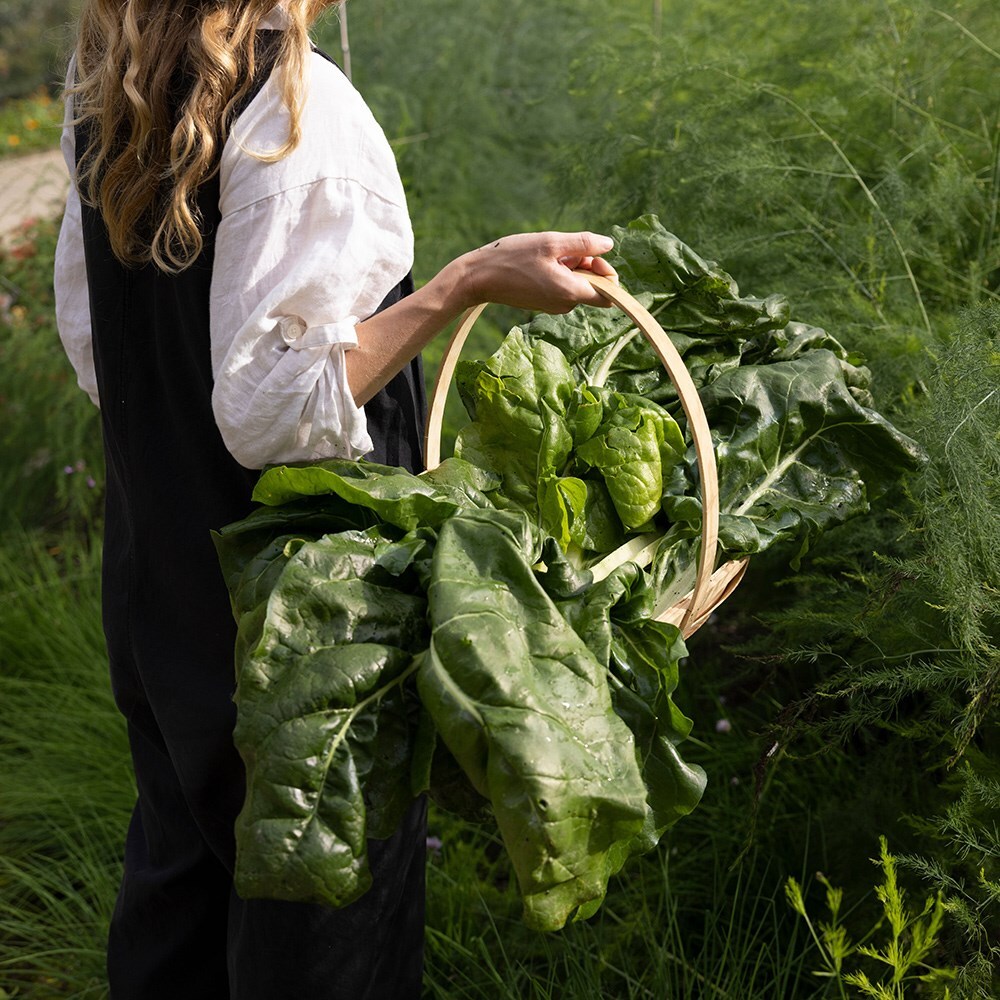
x=13 y=140
x=31 y=124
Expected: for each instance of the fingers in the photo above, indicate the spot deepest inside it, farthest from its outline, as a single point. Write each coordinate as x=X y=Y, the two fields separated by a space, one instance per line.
x=535 y=270
x=600 y=266
x=584 y=293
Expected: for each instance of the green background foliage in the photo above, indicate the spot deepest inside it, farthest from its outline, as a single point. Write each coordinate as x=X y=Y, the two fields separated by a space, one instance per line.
x=844 y=154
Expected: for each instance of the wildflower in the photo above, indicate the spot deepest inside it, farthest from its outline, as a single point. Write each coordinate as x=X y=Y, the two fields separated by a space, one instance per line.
x=31 y=124
x=80 y=465
x=13 y=140
x=68 y=470
x=434 y=845
x=91 y=482
x=723 y=726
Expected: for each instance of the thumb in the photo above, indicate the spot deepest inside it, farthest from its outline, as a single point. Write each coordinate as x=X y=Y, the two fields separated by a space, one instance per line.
x=583 y=244
x=593 y=244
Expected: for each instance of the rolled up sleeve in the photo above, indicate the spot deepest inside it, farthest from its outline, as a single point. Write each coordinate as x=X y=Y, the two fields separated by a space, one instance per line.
x=306 y=249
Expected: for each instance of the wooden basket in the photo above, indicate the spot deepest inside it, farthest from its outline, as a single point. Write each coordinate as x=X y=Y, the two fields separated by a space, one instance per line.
x=712 y=586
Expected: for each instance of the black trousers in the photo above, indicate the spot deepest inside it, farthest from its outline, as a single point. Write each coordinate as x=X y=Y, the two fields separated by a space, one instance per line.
x=180 y=931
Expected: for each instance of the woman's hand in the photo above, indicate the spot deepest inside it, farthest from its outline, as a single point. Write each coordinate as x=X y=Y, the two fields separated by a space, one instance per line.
x=529 y=270
x=533 y=271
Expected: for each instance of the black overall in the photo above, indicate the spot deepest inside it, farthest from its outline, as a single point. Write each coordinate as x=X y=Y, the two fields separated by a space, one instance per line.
x=178 y=930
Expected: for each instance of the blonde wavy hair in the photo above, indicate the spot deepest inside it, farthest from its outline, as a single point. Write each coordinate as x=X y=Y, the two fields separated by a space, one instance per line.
x=147 y=154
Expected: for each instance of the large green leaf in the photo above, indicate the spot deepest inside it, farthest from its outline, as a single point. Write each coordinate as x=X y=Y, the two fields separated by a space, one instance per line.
x=635 y=446
x=524 y=707
x=323 y=717
x=697 y=304
x=797 y=452
x=394 y=495
x=519 y=400
x=641 y=657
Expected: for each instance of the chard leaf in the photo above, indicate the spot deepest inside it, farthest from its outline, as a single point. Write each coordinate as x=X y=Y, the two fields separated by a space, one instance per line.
x=642 y=657
x=797 y=452
x=791 y=341
x=524 y=707
x=698 y=305
x=323 y=717
x=586 y=413
x=463 y=480
x=637 y=442
x=394 y=495
x=692 y=296
x=562 y=507
x=239 y=543
x=600 y=529
x=585 y=336
x=644 y=668
x=518 y=400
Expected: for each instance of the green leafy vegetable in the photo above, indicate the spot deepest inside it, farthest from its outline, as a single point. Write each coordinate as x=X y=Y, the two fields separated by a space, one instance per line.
x=486 y=632
x=525 y=709
x=321 y=682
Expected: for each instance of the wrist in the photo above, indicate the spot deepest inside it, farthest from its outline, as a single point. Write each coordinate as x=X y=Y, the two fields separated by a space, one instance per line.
x=455 y=287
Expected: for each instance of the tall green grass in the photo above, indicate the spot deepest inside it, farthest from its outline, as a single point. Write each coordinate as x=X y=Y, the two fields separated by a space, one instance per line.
x=66 y=790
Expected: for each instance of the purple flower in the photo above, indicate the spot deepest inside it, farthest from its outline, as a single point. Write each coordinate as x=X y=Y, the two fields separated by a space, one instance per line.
x=68 y=470
x=723 y=726
x=91 y=482
x=434 y=844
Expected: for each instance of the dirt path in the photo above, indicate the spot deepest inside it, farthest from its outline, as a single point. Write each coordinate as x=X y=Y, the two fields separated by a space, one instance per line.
x=31 y=187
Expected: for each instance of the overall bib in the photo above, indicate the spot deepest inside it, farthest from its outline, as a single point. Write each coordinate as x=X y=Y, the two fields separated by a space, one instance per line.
x=179 y=930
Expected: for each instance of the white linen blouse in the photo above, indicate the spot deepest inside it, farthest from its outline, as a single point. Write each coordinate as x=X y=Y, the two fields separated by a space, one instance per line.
x=307 y=247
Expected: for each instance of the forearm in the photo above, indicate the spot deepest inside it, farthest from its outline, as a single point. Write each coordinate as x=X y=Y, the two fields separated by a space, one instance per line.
x=389 y=340
x=533 y=271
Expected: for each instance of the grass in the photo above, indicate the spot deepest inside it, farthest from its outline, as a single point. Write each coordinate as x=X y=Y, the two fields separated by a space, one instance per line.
x=67 y=788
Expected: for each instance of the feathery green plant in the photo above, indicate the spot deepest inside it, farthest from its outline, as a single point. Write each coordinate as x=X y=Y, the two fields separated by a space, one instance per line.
x=964 y=867
x=913 y=936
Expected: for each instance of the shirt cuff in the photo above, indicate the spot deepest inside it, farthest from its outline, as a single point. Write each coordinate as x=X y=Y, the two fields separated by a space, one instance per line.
x=299 y=337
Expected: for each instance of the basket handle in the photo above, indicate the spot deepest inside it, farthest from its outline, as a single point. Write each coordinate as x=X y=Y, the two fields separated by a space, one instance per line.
x=679 y=375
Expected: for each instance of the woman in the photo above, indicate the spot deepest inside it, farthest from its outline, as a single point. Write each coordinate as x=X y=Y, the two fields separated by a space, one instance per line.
x=232 y=289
